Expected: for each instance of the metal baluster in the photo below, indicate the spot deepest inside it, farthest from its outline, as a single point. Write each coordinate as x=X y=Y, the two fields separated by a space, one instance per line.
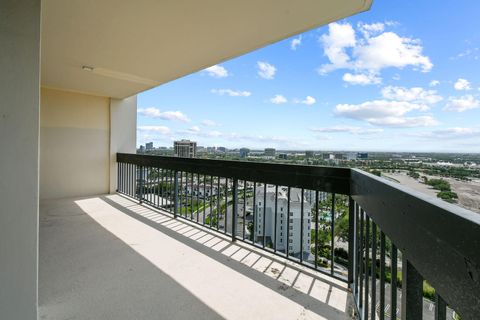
x=244 y=207
x=218 y=202
x=367 y=257
x=374 y=271
x=234 y=209
x=264 y=213
x=198 y=192
x=276 y=220
x=225 y=220
x=393 y=287
x=175 y=201
x=412 y=291
x=301 y=225
x=351 y=243
x=287 y=247
x=180 y=193
x=357 y=249
x=362 y=259
x=440 y=308
x=316 y=229
x=254 y=207
x=204 y=196
x=191 y=197
x=382 y=275
x=211 y=201
x=332 y=236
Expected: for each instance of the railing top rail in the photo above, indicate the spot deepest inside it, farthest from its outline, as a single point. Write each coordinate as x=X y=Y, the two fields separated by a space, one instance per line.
x=441 y=240
x=336 y=180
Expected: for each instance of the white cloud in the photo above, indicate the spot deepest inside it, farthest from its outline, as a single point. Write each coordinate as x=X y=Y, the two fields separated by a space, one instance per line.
x=462 y=84
x=461 y=104
x=390 y=50
x=214 y=134
x=194 y=129
x=217 y=71
x=434 y=83
x=266 y=70
x=309 y=100
x=335 y=42
x=155 y=129
x=416 y=94
x=449 y=133
x=278 y=99
x=369 y=54
x=386 y=113
x=166 y=115
x=209 y=123
x=370 y=29
x=361 y=79
x=231 y=93
x=296 y=42
x=348 y=129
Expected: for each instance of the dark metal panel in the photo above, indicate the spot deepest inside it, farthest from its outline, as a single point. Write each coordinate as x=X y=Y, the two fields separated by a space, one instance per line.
x=440 y=308
x=328 y=179
x=412 y=292
x=441 y=240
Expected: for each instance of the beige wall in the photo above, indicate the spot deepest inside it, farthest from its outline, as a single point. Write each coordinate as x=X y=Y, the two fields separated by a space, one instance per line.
x=123 y=132
x=74 y=144
x=19 y=125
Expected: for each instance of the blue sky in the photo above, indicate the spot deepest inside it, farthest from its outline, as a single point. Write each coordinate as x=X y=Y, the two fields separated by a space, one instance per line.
x=402 y=77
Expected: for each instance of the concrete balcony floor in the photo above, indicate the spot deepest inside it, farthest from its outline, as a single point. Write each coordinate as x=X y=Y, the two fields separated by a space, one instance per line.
x=107 y=257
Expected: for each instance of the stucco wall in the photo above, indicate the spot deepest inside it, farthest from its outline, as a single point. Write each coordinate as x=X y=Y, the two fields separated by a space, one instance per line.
x=19 y=125
x=123 y=132
x=74 y=144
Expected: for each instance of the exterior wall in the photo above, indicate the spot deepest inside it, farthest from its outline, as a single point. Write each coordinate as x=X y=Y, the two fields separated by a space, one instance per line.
x=74 y=144
x=123 y=132
x=19 y=125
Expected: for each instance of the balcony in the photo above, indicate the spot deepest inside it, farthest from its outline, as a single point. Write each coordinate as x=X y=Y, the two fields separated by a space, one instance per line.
x=240 y=203
x=188 y=238
x=108 y=257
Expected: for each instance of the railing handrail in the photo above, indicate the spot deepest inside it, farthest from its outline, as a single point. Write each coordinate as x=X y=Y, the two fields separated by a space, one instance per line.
x=441 y=240
x=328 y=179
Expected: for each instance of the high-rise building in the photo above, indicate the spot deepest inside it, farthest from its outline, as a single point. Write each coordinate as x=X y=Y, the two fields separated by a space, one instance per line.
x=149 y=145
x=270 y=152
x=288 y=223
x=244 y=152
x=185 y=149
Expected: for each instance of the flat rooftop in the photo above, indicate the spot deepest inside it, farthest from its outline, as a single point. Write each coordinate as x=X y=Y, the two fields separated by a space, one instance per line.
x=108 y=257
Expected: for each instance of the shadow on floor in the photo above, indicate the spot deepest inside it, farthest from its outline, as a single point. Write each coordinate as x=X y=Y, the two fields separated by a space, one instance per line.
x=320 y=294
x=88 y=273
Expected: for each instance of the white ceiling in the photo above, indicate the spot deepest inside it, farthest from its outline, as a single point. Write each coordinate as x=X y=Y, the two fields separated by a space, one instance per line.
x=137 y=45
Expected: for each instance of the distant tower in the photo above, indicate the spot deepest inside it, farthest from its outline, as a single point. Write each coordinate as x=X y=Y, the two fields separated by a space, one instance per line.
x=270 y=152
x=185 y=149
x=244 y=152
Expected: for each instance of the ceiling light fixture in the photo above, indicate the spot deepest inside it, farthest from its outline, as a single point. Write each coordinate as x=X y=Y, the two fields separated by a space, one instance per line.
x=87 y=68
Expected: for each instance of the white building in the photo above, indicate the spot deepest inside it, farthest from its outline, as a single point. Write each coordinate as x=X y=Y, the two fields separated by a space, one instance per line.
x=185 y=149
x=292 y=226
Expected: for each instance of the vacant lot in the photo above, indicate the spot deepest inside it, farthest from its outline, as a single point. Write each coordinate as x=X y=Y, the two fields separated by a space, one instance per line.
x=468 y=191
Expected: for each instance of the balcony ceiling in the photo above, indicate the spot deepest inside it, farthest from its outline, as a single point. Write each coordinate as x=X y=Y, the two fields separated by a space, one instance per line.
x=136 y=45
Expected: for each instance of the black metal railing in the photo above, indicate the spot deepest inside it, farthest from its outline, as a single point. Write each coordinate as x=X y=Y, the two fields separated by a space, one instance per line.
x=373 y=234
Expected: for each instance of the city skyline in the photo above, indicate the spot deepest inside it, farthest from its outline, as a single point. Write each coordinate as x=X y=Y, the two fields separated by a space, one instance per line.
x=384 y=80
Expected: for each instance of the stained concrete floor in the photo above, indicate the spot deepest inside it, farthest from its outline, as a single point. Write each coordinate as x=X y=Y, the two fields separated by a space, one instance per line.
x=107 y=257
